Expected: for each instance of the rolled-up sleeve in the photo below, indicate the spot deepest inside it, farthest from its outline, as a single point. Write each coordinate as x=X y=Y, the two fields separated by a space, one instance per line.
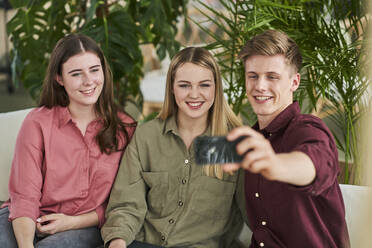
x=317 y=143
x=100 y=210
x=26 y=179
x=127 y=206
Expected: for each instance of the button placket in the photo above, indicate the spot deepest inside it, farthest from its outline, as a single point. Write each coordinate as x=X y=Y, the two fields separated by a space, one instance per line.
x=183 y=181
x=84 y=170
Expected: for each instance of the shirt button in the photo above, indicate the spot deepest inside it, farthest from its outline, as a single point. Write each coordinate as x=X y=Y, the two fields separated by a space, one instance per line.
x=184 y=181
x=262 y=244
x=263 y=223
x=180 y=203
x=270 y=134
x=186 y=161
x=257 y=195
x=171 y=221
x=162 y=237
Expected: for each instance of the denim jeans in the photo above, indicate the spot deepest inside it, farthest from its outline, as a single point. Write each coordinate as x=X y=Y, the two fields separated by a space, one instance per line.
x=80 y=238
x=137 y=244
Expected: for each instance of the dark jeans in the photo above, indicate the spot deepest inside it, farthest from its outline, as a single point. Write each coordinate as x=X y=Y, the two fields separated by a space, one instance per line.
x=81 y=238
x=137 y=244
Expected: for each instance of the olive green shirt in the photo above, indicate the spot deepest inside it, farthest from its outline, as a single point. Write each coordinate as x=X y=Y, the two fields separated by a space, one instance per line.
x=160 y=196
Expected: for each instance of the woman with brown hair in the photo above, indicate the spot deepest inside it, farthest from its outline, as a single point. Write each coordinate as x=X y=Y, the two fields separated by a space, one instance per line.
x=160 y=196
x=67 y=153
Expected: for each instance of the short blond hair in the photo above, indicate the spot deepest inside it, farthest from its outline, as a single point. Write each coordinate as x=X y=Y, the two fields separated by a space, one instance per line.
x=270 y=43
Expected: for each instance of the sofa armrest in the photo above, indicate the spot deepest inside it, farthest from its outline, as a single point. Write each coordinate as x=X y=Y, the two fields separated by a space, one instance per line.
x=10 y=124
x=356 y=203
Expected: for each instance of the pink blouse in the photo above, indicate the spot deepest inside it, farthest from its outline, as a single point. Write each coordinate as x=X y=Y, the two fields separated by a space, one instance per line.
x=58 y=170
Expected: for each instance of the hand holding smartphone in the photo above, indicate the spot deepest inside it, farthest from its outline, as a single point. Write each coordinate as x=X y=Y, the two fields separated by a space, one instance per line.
x=216 y=150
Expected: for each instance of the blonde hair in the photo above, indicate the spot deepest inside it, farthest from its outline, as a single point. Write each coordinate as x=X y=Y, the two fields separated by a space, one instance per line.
x=221 y=117
x=270 y=43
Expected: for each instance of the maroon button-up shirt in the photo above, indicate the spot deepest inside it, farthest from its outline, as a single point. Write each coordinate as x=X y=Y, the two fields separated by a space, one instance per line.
x=283 y=215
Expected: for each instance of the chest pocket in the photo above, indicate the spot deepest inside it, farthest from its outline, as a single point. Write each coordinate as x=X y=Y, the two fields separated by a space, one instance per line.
x=157 y=182
x=213 y=198
x=105 y=175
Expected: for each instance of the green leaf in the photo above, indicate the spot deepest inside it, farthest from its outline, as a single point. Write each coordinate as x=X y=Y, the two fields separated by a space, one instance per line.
x=18 y=3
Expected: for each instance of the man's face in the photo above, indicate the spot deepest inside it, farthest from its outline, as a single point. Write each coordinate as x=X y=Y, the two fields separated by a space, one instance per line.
x=270 y=84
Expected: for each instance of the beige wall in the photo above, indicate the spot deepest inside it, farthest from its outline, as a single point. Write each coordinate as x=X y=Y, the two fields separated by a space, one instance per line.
x=366 y=226
x=9 y=15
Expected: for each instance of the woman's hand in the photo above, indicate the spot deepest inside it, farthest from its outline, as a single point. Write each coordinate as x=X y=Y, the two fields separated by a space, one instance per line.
x=53 y=223
x=117 y=243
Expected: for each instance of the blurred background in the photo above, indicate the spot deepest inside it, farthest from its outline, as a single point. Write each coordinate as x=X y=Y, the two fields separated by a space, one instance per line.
x=11 y=97
x=139 y=37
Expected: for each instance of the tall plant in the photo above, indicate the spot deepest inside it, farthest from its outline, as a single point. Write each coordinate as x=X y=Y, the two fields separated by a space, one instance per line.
x=119 y=26
x=331 y=37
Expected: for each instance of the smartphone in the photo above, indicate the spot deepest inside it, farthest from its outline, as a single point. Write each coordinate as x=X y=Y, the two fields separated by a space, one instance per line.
x=216 y=150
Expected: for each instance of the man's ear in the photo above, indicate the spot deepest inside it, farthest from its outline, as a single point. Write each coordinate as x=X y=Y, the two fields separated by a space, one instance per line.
x=295 y=81
x=59 y=80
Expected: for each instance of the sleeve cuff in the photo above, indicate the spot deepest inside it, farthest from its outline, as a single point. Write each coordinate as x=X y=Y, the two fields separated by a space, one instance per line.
x=19 y=207
x=326 y=172
x=101 y=214
x=120 y=235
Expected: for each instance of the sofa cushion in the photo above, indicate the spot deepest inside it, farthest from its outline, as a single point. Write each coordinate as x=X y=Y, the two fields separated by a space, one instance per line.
x=10 y=124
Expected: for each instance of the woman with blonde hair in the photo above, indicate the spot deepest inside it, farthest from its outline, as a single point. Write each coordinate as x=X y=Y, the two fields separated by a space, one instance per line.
x=160 y=196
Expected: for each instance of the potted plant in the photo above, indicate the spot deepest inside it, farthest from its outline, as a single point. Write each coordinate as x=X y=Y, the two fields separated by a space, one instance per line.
x=120 y=27
x=331 y=36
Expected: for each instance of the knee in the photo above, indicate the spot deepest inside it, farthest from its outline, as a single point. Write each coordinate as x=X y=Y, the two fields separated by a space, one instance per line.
x=7 y=238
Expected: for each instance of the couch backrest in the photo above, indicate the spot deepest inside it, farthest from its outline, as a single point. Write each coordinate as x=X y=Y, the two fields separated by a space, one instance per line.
x=9 y=126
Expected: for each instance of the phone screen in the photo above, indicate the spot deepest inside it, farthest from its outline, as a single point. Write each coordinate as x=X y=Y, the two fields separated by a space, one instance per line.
x=216 y=150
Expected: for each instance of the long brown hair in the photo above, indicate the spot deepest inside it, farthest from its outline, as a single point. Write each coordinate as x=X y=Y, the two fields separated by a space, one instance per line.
x=53 y=94
x=221 y=117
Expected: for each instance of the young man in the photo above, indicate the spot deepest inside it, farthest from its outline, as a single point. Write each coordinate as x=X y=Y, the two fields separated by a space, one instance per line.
x=292 y=196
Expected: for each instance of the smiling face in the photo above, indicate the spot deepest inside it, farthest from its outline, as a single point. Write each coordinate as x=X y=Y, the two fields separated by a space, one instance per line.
x=270 y=83
x=83 y=79
x=194 y=91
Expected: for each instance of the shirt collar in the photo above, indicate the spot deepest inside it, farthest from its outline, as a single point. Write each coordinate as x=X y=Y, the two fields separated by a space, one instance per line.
x=170 y=125
x=64 y=115
x=282 y=120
